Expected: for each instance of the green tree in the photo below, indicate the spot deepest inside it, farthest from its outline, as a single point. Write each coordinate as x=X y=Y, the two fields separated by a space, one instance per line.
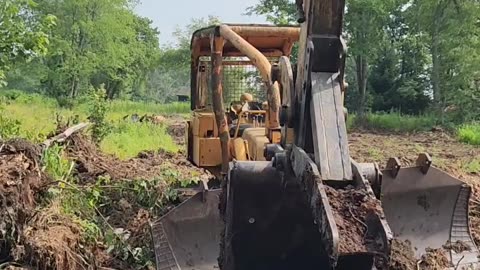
x=96 y=42
x=23 y=33
x=279 y=12
x=399 y=78
x=452 y=30
x=172 y=73
x=406 y=55
x=365 y=21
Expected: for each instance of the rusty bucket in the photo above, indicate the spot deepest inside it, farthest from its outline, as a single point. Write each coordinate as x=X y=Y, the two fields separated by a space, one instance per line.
x=188 y=237
x=429 y=208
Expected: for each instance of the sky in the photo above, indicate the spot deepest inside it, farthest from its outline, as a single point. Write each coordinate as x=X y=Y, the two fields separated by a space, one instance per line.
x=167 y=14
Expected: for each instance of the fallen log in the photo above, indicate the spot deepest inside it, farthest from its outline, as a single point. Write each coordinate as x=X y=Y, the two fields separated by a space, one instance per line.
x=64 y=135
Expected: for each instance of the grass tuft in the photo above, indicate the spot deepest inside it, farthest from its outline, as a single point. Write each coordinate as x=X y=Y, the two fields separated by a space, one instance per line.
x=128 y=139
x=392 y=122
x=473 y=166
x=469 y=133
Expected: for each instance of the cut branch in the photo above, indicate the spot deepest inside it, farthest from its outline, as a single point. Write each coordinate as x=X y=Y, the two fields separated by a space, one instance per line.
x=64 y=135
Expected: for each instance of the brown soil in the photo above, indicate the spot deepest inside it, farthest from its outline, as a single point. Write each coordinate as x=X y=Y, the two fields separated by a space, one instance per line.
x=402 y=256
x=51 y=241
x=457 y=247
x=350 y=209
x=447 y=153
x=434 y=259
x=177 y=131
x=44 y=239
x=92 y=163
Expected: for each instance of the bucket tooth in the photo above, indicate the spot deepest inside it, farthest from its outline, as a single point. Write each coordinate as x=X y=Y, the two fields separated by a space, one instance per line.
x=424 y=161
x=393 y=166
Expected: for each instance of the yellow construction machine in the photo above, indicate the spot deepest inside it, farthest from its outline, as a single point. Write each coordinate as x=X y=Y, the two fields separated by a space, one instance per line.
x=291 y=195
x=245 y=59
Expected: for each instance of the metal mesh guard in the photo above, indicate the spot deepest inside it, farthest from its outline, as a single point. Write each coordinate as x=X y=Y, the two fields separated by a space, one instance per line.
x=239 y=76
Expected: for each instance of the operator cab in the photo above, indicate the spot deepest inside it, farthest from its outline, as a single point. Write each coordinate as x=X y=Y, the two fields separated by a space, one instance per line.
x=244 y=92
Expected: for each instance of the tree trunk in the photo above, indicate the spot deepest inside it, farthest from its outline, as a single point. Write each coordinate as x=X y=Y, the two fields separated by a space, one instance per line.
x=437 y=95
x=111 y=90
x=74 y=87
x=362 y=71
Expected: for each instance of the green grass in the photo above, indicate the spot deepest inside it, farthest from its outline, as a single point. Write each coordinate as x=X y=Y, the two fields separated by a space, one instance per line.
x=392 y=122
x=473 y=166
x=131 y=138
x=37 y=117
x=35 y=113
x=469 y=133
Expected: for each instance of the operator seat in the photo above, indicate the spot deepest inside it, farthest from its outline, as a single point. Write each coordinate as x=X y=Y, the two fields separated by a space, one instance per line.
x=246 y=103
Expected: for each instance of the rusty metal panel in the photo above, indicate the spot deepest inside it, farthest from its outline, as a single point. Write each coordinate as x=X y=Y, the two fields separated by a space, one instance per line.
x=268 y=39
x=329 y=129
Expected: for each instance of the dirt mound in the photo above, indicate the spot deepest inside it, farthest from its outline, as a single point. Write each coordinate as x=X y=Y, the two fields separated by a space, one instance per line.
x=351 y=207
x=20 y=179
x=43 y=239
x=457 y=247
x=51 y=241
x=435 y=259
x=92 y=163
x=177 y=131
x=402 y=256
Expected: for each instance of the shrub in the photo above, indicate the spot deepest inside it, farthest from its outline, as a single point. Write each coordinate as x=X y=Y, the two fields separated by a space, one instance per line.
x=393 y=122
x=98 y=109
x=8 y=127
x=469 y=133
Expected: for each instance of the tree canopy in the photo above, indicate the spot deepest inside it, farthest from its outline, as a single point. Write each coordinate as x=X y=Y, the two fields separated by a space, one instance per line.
x=408 y=56
x=94 y=42
x=22 y=33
